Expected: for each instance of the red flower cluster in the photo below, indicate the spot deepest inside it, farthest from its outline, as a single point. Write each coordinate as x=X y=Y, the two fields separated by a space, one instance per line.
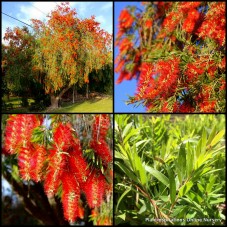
x=214 y=25
x=171 y=21
x=94 y=188
x=66 y=165
x=125 y=22
x=19 y=130
x=186 y=6
x=99 y=132
x=154 y=78
x=191 y=20
x=125 y=45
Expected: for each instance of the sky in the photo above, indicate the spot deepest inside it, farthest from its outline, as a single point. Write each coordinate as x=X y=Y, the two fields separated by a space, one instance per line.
x=126 y=88
x=25 y=11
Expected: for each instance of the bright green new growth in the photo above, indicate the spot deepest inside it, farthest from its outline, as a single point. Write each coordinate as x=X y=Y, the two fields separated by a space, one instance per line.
x=170 y=170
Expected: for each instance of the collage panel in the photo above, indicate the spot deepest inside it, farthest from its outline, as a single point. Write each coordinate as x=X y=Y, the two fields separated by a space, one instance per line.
x=57 y=57
x=170 y=170
x=170 y=57
x=57 y=169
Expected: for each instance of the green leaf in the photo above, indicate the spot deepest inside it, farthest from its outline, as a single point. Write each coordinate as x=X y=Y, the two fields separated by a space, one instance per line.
x=142 y=209
x=181 y=163
x=185 y=188
x=123 y=216
x=219 y=200
x=211 y=136
x=204 y=141
x=217 y=138
x=161 y=177
x=126 y=129
x=210 y=184
x=200 y=187
x=172 y=184
x=122 y=196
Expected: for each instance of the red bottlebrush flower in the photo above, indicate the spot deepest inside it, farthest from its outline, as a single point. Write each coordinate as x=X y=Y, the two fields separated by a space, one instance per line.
x=94 y=189
x=19 y=130
x=171 y=21
x=193 y=14
x=102 y=150
x=63 y=136
x=52 y=181
x=70 y=197
x=120 y=65
x=24 y=158
x=124 y=75
x=149 y=23
x=223 y=84
x=100 y=126
x=214 y=25
x=125 y=45
x=78 y=167
x=186 y=6
x=188 y=25
x=165 y=107
x=125 y=19
x=193 y=71
x=37 y=161
x=208 y=106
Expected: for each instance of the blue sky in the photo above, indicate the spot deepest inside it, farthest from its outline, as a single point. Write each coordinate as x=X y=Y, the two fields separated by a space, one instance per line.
x=126 y=87
x=25 y=11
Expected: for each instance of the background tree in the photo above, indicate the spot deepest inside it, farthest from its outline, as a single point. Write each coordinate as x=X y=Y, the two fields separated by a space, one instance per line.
x=17 y=63
x=61 y=166
x=176 y=50
x=68 y=49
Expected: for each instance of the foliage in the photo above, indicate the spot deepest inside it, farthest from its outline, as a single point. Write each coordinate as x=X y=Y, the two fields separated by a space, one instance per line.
x=17 y=61
x=170 y=170
x=69 y=154
x=68 y=48
x=176 y=50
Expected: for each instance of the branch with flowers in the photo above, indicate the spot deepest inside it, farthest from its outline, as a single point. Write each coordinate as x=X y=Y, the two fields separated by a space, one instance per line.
x=176 y=51
x=70 y=156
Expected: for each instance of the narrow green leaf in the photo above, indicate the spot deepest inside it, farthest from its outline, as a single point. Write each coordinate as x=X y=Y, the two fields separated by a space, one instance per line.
x=122 y=196
x=126 y=129
x=185 y=188
x=123 y=216
x=161 y=177
x=130 y=134
x=200 y=187
x=181 y=162
x=210 y=184
x=219 y=200
x=142 y=209
x=211 y=136
x=204 y=141
x=172 y=185
x=217 y=138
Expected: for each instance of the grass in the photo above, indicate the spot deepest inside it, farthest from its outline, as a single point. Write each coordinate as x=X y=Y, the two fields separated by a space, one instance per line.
x=94 y=105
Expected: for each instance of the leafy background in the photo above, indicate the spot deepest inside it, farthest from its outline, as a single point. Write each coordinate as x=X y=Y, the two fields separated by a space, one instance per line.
x=169 y=170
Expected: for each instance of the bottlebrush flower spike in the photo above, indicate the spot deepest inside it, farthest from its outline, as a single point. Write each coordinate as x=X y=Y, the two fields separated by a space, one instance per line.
x=63 y=136
x=102 y=150
x=100 y=126
x=70 y=197
x=78 y=166
x=94 y=189
x=19 y=130
x=56 y=168
x=37 y=161
x=24 y=158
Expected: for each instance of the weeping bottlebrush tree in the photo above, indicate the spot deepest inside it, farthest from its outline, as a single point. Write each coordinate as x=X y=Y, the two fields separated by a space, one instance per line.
x=170 y=171
x=61 y=165
x=176 y=51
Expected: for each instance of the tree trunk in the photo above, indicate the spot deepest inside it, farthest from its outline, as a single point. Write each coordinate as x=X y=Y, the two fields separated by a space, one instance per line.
x=55 y=99
x=87 y=91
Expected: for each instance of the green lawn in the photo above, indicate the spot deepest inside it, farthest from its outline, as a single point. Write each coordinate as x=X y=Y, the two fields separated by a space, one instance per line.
x=95 y=105
x=104 y=104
